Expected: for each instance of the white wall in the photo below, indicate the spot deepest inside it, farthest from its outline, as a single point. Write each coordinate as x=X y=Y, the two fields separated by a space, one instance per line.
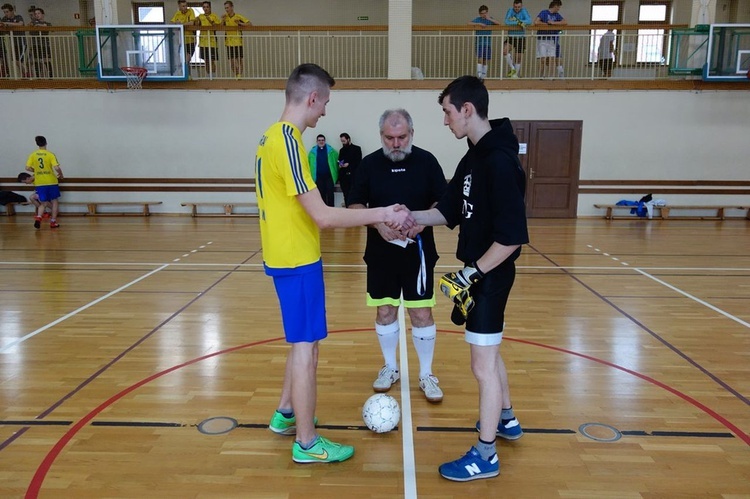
x=170 y=133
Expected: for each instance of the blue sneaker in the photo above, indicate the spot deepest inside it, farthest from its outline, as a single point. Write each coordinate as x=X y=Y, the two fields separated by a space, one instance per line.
x=509 y=431
x=470 y=467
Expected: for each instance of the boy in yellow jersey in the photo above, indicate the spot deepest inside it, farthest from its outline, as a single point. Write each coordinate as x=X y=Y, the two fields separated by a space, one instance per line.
x=186 y=17
x=292 y=213
x=233 y=39
x=43 y=164
x=207 y=41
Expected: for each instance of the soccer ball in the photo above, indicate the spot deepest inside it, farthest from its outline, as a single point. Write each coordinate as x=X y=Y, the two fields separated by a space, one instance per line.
x=381 y=413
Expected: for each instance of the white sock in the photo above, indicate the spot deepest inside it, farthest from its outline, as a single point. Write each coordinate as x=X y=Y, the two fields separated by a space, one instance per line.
x=484 y=70
x=388 y=338
x=518 y=69
x=509 y=58
x=560 y=71
x=424 y=344
x=479 y=71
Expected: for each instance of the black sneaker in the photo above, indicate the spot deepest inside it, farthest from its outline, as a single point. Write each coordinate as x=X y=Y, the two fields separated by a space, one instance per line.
x=37 y=222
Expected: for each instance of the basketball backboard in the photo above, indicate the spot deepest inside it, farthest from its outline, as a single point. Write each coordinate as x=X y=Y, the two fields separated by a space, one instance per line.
x=159 y=48
x=728 y=53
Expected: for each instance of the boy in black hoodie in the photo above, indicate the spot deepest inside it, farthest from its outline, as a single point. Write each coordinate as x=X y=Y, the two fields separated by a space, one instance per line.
x=485 y=199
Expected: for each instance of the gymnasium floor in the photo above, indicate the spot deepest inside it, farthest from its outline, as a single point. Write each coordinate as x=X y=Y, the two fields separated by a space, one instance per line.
x=627 y=346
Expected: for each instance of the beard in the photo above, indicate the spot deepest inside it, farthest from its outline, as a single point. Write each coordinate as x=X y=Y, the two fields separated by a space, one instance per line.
x=397 y=155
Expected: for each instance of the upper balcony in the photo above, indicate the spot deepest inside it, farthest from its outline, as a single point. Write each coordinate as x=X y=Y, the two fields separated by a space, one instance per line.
x=659 y=56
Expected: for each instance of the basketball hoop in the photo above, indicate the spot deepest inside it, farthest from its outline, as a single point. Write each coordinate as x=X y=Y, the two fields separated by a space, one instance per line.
x=134 y=76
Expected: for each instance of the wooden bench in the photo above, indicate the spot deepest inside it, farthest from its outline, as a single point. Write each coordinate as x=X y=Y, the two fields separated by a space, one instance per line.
x=664 y=211
x=92 y=207
x=10 y=208
x=227 y=207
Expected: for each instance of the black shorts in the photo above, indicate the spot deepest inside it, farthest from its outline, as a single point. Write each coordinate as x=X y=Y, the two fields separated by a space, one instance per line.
x=606 y=65
x=235 y=52
x=518 y=43
x=388 y=278
x=189 y=50
x=490 y=297
x=209 y=52
x=41 y=50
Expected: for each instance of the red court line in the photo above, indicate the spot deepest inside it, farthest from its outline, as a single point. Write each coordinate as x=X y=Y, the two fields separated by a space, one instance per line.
x=41 y=472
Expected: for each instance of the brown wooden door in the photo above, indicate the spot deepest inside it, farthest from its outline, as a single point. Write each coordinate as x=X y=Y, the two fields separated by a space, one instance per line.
x=552 y=163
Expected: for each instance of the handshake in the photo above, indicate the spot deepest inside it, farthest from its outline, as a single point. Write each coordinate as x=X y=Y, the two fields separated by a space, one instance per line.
x=398 y=217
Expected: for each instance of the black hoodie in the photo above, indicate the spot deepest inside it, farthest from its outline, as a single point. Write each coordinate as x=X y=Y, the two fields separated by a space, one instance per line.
x=486 y=195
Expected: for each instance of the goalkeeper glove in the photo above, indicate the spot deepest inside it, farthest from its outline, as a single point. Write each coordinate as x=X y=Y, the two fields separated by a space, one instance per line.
x=456 y=287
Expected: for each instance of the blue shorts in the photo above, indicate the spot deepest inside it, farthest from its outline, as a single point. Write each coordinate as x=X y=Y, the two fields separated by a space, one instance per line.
x=47 y=192
x=302 y=298
x=484 y=51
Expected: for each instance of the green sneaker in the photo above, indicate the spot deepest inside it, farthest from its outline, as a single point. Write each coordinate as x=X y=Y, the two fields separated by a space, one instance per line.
x=323 y=451
x=285 y=426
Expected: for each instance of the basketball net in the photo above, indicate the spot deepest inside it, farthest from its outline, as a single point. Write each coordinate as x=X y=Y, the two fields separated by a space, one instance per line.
x=134 y=77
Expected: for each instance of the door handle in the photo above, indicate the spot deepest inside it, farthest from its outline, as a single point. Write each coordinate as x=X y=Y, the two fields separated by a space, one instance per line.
x=531 y=173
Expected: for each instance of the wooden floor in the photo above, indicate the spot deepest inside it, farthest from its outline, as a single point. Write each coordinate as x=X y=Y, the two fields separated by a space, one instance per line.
x=119 y=336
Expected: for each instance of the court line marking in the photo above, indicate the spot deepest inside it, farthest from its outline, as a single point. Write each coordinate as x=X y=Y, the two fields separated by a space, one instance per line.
x=641 y=271
x=694 y=298
x=407 y=433
x=41 y=472
x=362 y=266
x=18 y=341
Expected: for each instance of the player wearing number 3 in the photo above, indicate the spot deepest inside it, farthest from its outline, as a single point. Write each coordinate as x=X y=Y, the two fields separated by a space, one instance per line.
x=43 y=164
x=291 y=214
x=485 y=198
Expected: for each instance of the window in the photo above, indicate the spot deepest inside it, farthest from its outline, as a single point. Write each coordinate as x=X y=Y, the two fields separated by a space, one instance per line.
x=148 y=13
x=603 y=13
x=651 y=47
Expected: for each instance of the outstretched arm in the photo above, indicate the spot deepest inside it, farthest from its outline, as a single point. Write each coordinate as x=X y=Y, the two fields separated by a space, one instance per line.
x=327 y=217
x=429 y=217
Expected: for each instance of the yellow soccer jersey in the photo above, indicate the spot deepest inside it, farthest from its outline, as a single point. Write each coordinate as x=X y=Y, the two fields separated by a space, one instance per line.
x=208 y=38
x=234 y=38
x=43 y=163
x=187 y=18
x=290 y=238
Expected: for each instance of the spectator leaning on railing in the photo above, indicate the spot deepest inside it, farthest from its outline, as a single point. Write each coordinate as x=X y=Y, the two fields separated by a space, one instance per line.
x=10 y=18
x=483 y=40
x=207 y=41
x=548 y=41
x=233 y=39
x=515 y=43
x=186 y=17
x=40 y=47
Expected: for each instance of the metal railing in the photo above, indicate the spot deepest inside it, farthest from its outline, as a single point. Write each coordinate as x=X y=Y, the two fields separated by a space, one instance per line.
x=438 y=52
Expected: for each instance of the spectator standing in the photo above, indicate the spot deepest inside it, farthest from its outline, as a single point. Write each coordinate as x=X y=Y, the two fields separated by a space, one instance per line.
x=10 y=18
x=515 y=43
x=483 y=40
x=186 y=17
x=548 y=41
x=40 y=47
x=233 y=39
x=324 y=164
x=208 y=44
x=349 y=157
x=606 y=52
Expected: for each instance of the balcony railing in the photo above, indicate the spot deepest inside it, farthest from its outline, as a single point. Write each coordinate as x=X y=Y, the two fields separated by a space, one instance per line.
x=438 y=52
